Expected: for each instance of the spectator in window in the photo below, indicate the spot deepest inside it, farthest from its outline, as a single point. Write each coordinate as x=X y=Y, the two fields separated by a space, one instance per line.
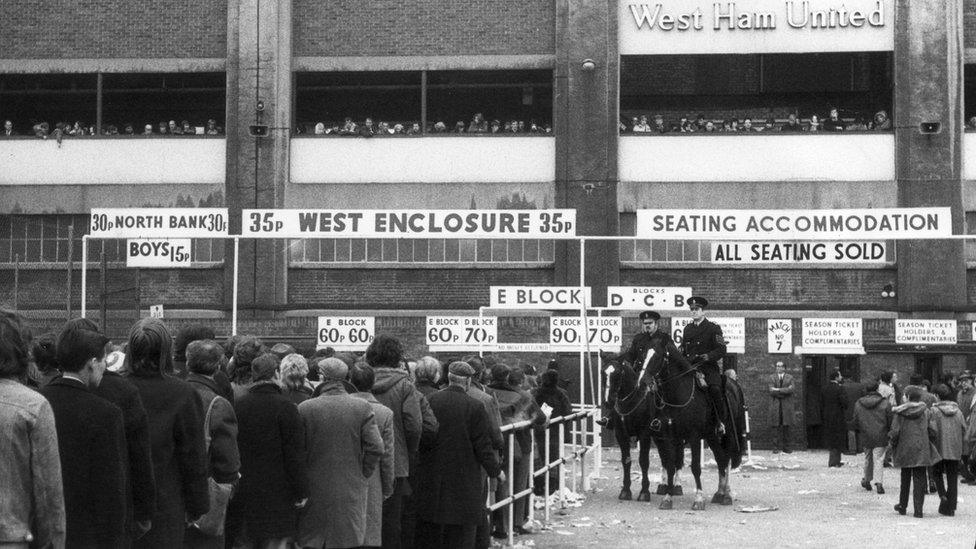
x=398 y=129
x=747 y=126
x=684 y=125
x=814 y=125
x=129 y=130
x=521 y=126
x=459 y=127
x=641 y=125
x=507 y=128
x=440 y=127
x=162 y=128
x=700 y=123
x=384 y=128
x=8 y=128
x=881 y=121
x=547 y=129
x=734 y=125
x=769 y=126
x=367 y=129
x=833 y=122
x=41 y=130
x=709 y=127
x=147 y=130
x=726 y=126
x=495 y=126
x=77 y=129
x=212 y=127
x=792 y=124
x=348 y=127
x=659 y=126
x=478 y=124
x=859 y=125
x=971 y=123
x=173 y=128
x=414 y=129
x=320 y=129
x=187 y=128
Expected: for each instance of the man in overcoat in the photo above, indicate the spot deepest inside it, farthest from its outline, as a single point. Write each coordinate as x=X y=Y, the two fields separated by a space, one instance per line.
x=479 y=392
x=835 y=425
x=91 y=441
x=344 y=448
x=781 y=409
x=872 y=420
x=450 y=496
x=703 y=345
x=381 y=482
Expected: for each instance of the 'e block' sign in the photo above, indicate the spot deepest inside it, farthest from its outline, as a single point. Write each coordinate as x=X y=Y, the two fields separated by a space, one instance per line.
x=540 y=297
x=346 y=333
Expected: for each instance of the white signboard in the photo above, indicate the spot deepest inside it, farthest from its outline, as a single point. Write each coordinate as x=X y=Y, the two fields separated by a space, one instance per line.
x=158 y=252
x=639 y=298
x=156 y=311
x=797 y=252
x=462 y=332
x=925 y=332
x=602 y=333
x=540 y=297
x=504 y=224
x=832 y=336
x=850 y=224
x=158 y=222
x=780 y=331
x=733 y=329
x=757 y=26
x=345 y=333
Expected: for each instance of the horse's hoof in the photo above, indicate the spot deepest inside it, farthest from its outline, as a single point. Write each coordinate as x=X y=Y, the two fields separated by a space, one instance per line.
x=662 y=489
x=722 y=499
x=677 y=491
x=666 y=505
x=625 y=495
x=644 y=495
x=698 y=505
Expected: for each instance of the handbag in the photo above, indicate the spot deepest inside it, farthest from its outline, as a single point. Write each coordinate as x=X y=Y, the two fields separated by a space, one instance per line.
x=212 y=523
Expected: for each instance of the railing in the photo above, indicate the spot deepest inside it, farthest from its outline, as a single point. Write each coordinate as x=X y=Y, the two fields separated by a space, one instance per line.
x=583 y=440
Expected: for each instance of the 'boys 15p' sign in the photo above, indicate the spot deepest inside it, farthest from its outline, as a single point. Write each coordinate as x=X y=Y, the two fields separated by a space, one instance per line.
x=756 y=26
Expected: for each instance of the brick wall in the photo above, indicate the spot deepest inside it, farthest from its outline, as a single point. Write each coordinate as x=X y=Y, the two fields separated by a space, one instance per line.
x=423 y=27
x=461 y=289
x=40 y=29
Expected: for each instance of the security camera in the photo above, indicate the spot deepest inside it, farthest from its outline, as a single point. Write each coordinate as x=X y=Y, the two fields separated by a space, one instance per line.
x=929 y=128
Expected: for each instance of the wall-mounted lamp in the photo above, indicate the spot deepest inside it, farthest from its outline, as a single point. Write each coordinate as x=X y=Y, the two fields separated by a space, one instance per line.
x=588 y=65
x=888 y=290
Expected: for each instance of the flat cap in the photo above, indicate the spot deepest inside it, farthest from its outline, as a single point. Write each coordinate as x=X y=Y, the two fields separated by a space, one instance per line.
x=462 y=369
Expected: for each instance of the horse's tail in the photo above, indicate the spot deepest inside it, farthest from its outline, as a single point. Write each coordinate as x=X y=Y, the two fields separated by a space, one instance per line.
x=734 y=440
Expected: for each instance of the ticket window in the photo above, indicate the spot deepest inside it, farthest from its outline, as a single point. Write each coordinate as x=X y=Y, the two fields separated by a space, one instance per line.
x=929 y=367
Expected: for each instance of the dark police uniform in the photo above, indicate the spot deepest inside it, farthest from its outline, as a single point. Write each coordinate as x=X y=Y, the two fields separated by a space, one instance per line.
x=640 y=345
x=705 y=340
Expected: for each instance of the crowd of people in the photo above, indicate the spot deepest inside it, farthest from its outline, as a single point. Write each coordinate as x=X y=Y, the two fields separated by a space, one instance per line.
x=61 y=130
x=477 y=125
x=168 y=442
x=833 y=122
x=928 y=432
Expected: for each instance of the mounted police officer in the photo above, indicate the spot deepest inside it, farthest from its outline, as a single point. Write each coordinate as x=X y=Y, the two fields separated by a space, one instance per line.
x=704 y=345
x=648 y=338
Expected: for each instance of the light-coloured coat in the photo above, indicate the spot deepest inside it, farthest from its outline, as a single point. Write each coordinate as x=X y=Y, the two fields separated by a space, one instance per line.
x=950 y=428
x=344 y=448
x=781 y=393
x=383 y=479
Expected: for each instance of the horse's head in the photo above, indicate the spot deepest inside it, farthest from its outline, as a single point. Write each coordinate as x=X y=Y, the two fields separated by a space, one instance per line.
x=661 y=359
x=621 y=380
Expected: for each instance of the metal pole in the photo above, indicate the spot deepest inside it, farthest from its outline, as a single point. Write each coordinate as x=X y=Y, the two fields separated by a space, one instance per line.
x=511 y=487
x=16 y=282
x=575 y=448
x=748 y=440
x=233 y=318
x=548 y=462
x=585 y=481
x=530 y=499
x=71 y=267
x=84 y=273
x=586 y=333
x=103 y=269
x=561 y=482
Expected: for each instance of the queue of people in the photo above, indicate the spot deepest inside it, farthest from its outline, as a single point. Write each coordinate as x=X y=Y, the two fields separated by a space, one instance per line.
x=189 y=442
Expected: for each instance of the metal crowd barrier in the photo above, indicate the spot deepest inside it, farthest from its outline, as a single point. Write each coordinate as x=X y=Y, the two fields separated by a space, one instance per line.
x=583 y=440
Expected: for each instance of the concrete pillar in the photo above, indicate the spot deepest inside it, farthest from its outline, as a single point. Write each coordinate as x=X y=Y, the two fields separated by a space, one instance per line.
x=586 y=137
x=259 y=64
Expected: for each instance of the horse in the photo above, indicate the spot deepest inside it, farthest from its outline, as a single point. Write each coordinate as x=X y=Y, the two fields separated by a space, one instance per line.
x=631 y=412
x=684 y=410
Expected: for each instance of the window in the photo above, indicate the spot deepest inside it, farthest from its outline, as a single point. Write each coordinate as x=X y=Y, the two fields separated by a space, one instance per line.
x=421 y=251
x=721 y=88
x=339 y=103
x=140 y=99
x=41 y=239
x=29 y=99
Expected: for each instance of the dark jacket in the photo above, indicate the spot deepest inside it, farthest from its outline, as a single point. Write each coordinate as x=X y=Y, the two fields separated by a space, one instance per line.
x=179 y=458
x=781 y=407
x=515 y=406
x=91 y=441
x=643 y=342
x=425 y=388
x=912 y=436
x=451 y=489
x=223 y=458
x=271 y=438
x=141 y=480
x=394 y=390
x=834 y=407
x=703 y=344
x=872 y=419
x=950 y=428
x=490 y=403
x=298 y=395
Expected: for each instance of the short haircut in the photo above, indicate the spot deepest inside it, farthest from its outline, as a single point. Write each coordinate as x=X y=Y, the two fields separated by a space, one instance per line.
x=942 y=391
x=45 y=352
x=549 y=379
x=886 y=376
x=246 y=350
x=281 y=350
x=76 y=347
x=458 y=380
x=230 y=344
x=187 y=335
x=516 y=377
x=15 y=339
x=362 y=377
x=203 y=356
x=913 y=393
x=384 y=352
x=428 y=369
x=264 y=367
x=150 y=347
x=294 y=371
x=324 y=352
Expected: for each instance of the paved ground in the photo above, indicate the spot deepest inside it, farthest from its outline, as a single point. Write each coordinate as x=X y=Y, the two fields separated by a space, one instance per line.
x=814 y=507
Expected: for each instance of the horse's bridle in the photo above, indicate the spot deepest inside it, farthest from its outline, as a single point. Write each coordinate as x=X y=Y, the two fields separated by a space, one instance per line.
x=661 y=382
x=616 y=402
